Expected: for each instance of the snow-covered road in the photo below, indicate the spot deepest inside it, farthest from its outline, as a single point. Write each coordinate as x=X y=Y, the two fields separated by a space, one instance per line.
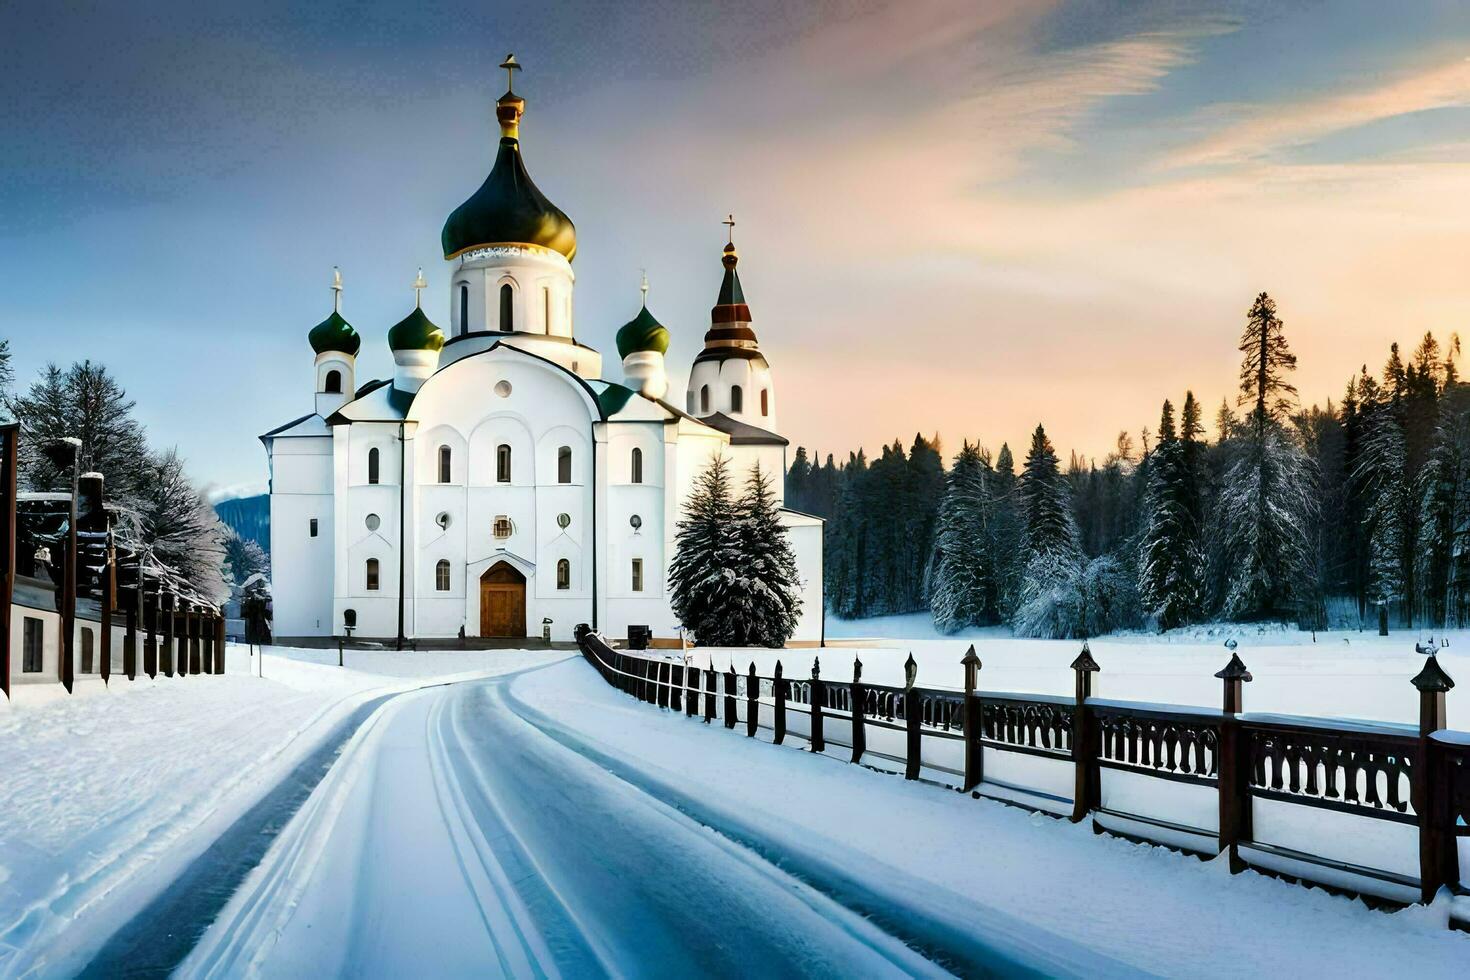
x=457 y=838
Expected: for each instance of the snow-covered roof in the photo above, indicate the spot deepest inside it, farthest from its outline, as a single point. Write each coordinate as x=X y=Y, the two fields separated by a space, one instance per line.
x=743 y=433
x=377 y=401
x=307 y=425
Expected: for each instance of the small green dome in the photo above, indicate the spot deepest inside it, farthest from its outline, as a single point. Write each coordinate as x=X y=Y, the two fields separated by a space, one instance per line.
x=642 y=333
x=334 y=334
x=415 y=332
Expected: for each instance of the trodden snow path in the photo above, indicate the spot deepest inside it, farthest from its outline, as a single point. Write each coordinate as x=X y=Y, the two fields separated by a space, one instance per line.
x=458 y=836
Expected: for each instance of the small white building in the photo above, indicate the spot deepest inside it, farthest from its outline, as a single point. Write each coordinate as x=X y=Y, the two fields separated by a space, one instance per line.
x=497 y=481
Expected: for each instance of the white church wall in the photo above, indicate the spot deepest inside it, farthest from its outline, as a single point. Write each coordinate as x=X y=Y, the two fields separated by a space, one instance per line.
x=770 y=457
x=805 y=535
x=376 y=609
x=301 y=565
x=752 y=375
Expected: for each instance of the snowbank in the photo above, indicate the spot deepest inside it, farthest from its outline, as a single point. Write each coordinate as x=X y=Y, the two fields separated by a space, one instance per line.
x=1145 y=906
x=106 y=798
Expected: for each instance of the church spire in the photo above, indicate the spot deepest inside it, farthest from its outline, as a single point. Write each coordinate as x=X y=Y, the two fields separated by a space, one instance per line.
x=730 y=317
x=509 y=107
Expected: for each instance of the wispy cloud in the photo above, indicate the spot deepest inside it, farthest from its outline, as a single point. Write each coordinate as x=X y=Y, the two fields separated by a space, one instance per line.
x=1262 y=129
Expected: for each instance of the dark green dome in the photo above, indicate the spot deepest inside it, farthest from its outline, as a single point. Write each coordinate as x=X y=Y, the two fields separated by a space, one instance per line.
x=415 y=332
x=509 y=210
x=642 y=333
x=334 y=334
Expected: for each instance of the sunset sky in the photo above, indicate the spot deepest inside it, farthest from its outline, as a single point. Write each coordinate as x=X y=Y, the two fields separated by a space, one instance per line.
x=963 y=217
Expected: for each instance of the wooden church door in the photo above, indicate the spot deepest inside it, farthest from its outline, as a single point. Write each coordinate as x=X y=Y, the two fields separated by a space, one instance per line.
x=502 y=601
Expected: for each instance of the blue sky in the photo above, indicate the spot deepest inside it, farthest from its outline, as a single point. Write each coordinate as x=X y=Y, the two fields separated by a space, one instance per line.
x=952 y=216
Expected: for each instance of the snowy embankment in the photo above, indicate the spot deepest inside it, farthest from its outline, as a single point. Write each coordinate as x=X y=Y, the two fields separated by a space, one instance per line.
x=994 y=866
x=1340 y=674
x=105 y=799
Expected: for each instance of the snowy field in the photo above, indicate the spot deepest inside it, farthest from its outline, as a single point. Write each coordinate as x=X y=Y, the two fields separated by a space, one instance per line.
x=1344 y=674
x=105 y=798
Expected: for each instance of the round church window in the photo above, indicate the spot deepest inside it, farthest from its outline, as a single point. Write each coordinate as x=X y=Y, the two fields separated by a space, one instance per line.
x=502 y=388
x=563 y=521
x=636 y=521
x=443 y=519
x=374 y=522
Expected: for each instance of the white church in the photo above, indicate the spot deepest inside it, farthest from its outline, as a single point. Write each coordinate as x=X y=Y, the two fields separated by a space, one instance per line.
x=498 y=485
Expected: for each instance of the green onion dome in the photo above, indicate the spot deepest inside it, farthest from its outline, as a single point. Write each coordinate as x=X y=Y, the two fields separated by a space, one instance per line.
x=334 y=334
x=415 y=332
x=508 y=209
x=642 y=333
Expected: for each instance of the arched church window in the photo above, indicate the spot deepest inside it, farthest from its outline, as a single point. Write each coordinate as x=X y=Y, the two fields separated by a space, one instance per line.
x=564 y=464
x=373 y=465
x=445 y=458
x=704 y=399
x=441 y=576
x=507 y=310
x=502 y=463
x=737 y=399
x=464 y=307
x=636 y=470
x=372 y=575
x=546 y=307
x=563 y=574
x=332 y=385
x=637 y=575
x=765 y=401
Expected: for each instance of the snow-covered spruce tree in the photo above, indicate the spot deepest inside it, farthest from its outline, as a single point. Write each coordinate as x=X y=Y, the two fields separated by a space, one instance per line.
x=705 y=556
x=1004 y=543
x=763 y=602
x=1267 y=503
x=181 y=528
x=1443 y=550
x=961 y=584
x=799 y=482
x=1381 y=472
x=843 y=559
x=87 y=403
x=1167 y=575
x=244 y=559
x=1050 y=600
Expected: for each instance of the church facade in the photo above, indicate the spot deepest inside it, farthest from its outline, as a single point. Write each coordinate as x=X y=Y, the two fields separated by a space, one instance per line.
x=498 y=484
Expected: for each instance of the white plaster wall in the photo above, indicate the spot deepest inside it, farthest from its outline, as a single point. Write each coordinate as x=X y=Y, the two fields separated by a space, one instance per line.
x=355 y=544
x=301 y=566
x=805 y=535
x=329 y=402
x=752 y=375
x=532 y=273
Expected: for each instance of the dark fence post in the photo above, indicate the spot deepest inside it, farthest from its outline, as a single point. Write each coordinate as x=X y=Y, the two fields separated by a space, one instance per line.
x=1438 y=847
x=752 y=701
x=778 y=692
x=818 y=701
x=219 y=643
x=730 y=708
x=194 y=651
x=206 y=643
x=665 y=675
x=858 y=706
x=130 y=641
x=709 y=691
x=163 y=647
x=691 y=693
x=1232 y=771
x=676 y=687
x=1087 y=794
x=150 y=619
x=911 y=719
x=974 y=747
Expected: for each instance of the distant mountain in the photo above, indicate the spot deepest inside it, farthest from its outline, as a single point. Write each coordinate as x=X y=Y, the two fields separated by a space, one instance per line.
x=249 y=516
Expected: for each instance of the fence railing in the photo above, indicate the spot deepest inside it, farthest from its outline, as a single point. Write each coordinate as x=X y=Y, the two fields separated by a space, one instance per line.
x=1269 y=791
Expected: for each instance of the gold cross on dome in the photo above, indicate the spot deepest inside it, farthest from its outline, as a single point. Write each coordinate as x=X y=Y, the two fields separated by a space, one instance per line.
x=730 y=221
x=419 y=285
x=511 y=66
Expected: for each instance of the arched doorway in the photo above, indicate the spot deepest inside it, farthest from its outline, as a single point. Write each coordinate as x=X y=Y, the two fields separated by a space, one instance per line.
x=502 y=601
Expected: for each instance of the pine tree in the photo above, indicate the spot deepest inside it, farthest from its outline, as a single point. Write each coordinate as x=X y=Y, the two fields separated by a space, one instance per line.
x=1045 y=508
x=1004 y=544
x=961 y=583
x=181 y=529
x=244 y=559
x=763 y=602
x=1382 y=474
x=799 y=482
x=706 y=556
x=87 y=403
x=1267 y=504
x=1168 y=578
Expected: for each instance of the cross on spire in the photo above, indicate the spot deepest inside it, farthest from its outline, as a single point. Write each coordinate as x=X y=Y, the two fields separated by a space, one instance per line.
x=336 y=290
x=730 y=222
x=511 y=66
x=419 y=285
x=643 y=287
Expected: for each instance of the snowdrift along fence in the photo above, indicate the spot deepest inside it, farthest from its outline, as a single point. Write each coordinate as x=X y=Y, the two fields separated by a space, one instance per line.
x=1371 y=808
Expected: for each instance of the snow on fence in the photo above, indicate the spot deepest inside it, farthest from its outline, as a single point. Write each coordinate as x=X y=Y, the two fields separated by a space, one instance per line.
x=1371 y=808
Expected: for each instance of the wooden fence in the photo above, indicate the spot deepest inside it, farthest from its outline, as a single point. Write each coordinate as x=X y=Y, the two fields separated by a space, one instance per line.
x=1209 y=782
